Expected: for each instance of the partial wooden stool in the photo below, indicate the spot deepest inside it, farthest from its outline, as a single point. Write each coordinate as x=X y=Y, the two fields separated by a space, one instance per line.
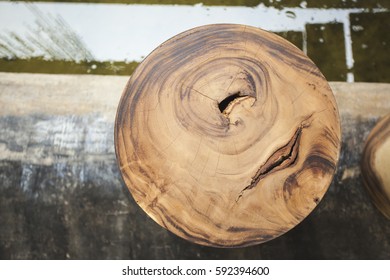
x=227 y=135
x=375 y=165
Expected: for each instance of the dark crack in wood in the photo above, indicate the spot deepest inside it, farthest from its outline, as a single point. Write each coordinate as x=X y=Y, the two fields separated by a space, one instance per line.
x=227 y=104
x=282 y=158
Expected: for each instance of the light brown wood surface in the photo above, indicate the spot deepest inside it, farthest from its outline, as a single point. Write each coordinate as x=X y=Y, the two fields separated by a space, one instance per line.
x=375 y=165
x=227 y=135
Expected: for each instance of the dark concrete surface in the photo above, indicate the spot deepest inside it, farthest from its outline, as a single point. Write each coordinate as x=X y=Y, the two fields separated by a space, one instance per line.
x=371 y=46
x=325 y=46
x=62 y=196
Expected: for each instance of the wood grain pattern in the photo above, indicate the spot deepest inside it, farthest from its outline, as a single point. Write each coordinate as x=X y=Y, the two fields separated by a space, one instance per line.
x=227 y=135
x=375 y=165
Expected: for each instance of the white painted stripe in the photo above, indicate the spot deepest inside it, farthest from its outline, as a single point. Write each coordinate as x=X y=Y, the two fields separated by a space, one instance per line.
x=348 y=49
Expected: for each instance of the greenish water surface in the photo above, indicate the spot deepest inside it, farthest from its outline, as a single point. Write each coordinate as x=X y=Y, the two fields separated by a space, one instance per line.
x=40 y=65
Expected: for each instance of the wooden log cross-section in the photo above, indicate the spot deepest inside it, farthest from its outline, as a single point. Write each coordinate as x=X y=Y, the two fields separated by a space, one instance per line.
x=227 y=135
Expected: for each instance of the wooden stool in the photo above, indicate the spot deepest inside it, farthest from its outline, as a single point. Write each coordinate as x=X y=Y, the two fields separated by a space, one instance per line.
x=227 y=135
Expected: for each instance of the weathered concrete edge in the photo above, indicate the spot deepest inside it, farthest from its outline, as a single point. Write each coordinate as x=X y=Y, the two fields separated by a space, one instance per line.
x=26 y=94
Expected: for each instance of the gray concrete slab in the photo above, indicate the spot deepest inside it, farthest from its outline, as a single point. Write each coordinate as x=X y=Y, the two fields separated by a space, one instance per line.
x=62 y=197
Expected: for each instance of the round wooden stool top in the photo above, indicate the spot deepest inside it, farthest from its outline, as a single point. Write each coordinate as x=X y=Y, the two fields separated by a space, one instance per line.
x=227 y=135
